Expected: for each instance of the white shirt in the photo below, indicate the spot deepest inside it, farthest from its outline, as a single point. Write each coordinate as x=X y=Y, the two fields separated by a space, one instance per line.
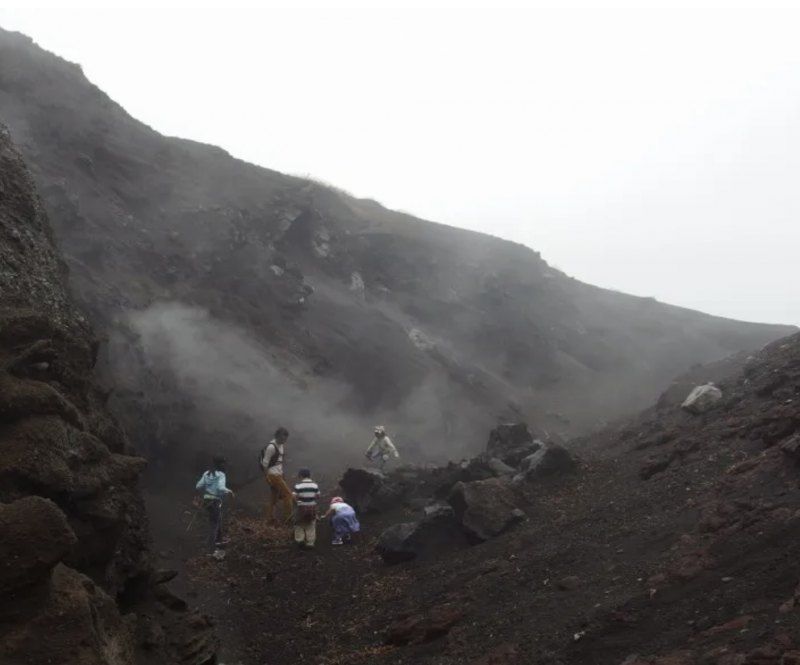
x=277 y=469
x=384 y=445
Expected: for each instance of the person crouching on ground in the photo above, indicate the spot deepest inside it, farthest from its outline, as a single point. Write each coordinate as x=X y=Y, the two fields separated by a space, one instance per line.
x=343 y=521
x=306 y=494
x=272 y=465
x=212 y=488
x=381 y=449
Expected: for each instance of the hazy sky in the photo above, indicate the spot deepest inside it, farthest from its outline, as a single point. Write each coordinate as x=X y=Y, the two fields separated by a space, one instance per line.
x=654 y=152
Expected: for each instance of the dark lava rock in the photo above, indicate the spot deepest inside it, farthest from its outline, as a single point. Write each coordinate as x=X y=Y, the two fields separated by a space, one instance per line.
x=369 y=490
x=485 y=508
x=438 y=531
x=500 y=468
x=512 y=443
x=395 y=543
x=550 y=460
x=75 y=566
x=425 y=626
x=34 y=537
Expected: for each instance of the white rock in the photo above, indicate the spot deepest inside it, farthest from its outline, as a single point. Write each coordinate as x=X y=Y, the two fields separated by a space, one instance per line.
x=421 y=340
x=321 y=243
x=357 y=284
x=702 y=398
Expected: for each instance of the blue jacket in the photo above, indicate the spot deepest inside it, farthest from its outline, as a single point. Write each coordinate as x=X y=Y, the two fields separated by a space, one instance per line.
x=212 y=484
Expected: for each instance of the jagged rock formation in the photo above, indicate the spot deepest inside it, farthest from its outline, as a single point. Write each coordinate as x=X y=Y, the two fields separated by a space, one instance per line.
x=458 y=504
x=443 y=329
x=73 y=531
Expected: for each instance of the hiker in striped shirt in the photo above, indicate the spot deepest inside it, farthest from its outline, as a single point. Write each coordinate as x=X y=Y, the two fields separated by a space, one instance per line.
x=306 y=494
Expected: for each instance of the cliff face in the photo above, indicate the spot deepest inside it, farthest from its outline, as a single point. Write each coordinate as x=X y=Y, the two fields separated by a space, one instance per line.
x=76 y=576
x=435 y=331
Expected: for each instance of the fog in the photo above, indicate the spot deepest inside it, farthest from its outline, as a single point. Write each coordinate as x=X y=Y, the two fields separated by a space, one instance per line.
x=654 y=152
x=242 y=390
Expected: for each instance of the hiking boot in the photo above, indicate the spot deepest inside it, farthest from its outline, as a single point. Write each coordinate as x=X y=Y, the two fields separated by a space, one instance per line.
x=336 y=541
x=219 y=555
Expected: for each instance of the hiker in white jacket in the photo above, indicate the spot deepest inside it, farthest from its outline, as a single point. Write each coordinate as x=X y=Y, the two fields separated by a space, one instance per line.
x=381 y=449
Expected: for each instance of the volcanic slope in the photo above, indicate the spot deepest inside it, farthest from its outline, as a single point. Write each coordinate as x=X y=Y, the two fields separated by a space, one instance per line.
x=430 y=329
x=676 y=541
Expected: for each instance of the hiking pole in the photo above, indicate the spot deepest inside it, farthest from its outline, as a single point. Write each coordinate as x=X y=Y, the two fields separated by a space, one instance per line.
x=191 y=521
x=196 y=510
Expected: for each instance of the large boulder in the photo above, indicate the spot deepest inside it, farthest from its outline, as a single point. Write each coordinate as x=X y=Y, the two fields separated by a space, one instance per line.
x=702 y=399
x=395 y=543
x=369 y=490
x=73 y=621
x=550 y=460
x=34 y=537
x=485 y=508
x=512 y=443
x=437 y=531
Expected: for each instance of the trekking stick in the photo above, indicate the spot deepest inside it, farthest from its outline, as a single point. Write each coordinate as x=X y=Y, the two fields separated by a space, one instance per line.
x=191 y=521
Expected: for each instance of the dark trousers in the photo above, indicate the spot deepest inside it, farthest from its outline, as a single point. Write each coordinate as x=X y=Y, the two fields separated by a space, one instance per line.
x=214 y=511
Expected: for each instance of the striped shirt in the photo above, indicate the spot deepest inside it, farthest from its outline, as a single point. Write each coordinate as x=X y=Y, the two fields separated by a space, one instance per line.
x=306 y=492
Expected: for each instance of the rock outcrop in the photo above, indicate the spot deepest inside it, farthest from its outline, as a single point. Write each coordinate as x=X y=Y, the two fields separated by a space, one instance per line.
x=73 y=531
x=469 y=502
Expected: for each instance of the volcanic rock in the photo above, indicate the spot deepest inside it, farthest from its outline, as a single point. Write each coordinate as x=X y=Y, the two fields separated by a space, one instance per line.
x=34 y=537
x=511 y=443
x=485 y=508
x=424 y=627
x=436 y=532
x=73 y=530
x=369 y=490
x=550 y=460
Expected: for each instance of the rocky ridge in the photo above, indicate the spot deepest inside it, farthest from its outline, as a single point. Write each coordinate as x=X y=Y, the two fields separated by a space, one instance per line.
x=374 y=314
x=73 y=530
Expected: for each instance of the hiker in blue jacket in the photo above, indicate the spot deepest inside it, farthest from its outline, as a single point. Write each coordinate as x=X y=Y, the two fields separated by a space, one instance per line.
x=212 y=488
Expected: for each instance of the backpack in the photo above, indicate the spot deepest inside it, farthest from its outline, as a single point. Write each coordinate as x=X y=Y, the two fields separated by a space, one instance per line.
x=272 y=460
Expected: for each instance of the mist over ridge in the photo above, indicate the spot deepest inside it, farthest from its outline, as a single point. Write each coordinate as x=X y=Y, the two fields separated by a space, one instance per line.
x=436 y=332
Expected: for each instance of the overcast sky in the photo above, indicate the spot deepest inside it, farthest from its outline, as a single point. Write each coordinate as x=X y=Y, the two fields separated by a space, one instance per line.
x=654 y=152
